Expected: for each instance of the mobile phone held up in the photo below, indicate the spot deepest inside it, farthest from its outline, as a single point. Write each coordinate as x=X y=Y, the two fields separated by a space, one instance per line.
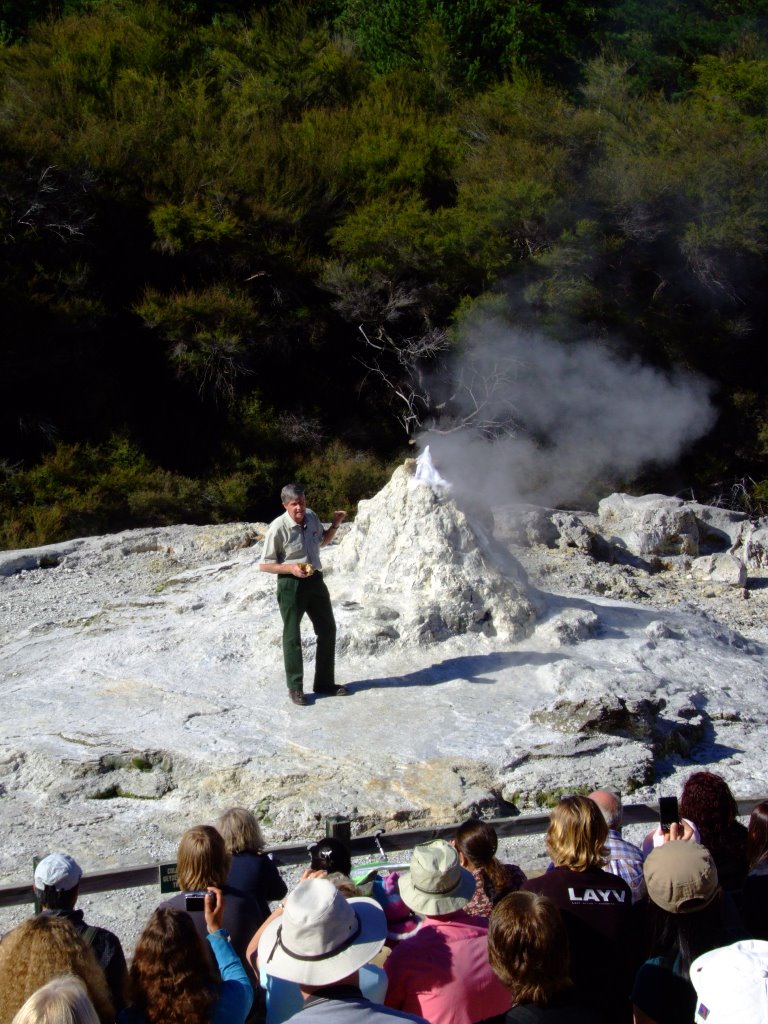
x=668 y=812
x=196 y=900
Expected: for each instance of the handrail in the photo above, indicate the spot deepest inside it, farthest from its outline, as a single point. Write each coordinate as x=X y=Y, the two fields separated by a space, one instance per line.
x=360 y=846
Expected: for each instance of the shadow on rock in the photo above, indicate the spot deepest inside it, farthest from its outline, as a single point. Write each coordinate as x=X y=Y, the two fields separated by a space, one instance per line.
x=472 y=668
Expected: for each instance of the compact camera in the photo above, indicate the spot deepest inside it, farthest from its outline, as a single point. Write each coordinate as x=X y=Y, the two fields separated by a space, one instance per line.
x=196 y=900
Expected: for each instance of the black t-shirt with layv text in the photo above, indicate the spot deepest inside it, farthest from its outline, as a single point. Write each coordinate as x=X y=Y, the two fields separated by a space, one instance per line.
x=596 y=908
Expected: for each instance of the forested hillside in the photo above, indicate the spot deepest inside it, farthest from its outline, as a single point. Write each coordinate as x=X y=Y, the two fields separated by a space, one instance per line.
x=237 y=239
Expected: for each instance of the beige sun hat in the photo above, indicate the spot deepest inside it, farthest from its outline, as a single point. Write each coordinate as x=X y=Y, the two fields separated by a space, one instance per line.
x=437 y=883
x=681 y=877
x=321 y=937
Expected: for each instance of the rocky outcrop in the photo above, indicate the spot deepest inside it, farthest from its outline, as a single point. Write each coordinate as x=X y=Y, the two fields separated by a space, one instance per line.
x=570 y=626
x=649 y=525
x=721 y=568
x=577 y=764
x=652 y=531
x=144 y=686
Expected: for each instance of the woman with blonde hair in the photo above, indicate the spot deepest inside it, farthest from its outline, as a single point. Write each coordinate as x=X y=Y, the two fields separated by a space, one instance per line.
x=43 y=948
x=64 y=1000
x=596 y=906
x=252 y=871
x=476 y=843
x=202 y=864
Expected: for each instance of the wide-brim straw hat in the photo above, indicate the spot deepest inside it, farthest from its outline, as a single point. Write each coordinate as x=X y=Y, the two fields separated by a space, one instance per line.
x=437 y=883
x=321 y=937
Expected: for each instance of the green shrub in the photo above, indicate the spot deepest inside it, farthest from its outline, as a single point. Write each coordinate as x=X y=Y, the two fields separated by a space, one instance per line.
x=338 y=477
x=78 y=490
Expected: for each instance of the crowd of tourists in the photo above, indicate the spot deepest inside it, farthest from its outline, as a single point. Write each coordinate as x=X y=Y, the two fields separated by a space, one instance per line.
x=673 y=932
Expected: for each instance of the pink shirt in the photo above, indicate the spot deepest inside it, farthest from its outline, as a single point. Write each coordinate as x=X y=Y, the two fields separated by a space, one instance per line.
x=442 y=972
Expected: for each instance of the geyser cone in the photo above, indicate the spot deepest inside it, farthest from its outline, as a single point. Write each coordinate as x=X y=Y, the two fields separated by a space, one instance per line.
x=414 y=548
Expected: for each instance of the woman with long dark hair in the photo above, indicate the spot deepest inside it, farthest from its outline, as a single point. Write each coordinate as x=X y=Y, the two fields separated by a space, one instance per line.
x=709 y=803
x=687 y=916
x=754 y=901
x=476 y=843
x=172 y=981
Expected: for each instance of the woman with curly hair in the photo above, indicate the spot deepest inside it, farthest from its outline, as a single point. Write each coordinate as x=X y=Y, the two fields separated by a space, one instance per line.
x=755 y=892
x=596 y=906
x=708 y=802
x=476 y=843
x=43 y=948
x=62 y=1001
x=171 y=980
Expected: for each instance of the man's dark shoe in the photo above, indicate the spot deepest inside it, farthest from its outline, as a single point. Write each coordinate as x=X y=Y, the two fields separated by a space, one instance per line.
x=298 y=698
x=334 y=691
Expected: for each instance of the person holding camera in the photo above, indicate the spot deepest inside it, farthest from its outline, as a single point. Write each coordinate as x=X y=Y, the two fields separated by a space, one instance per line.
x=172 y=981
x=202 y=864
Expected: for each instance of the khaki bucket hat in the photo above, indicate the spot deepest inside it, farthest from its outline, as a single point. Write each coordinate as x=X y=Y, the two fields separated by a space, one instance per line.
x=437 y=883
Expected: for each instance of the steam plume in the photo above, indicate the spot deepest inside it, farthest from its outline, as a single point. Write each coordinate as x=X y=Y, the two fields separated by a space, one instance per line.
x=529 y=419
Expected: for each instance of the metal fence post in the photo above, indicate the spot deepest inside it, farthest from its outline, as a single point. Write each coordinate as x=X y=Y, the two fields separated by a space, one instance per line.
x=38 y=904
x=338 y=827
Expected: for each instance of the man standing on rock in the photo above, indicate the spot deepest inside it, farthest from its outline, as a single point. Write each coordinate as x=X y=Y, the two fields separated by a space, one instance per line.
x=292 y=551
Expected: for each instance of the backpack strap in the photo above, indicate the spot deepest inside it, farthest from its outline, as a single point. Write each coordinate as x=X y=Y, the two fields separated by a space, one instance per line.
x=89 y=934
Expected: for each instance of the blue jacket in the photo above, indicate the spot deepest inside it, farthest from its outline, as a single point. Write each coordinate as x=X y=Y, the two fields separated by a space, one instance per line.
x=235 y=992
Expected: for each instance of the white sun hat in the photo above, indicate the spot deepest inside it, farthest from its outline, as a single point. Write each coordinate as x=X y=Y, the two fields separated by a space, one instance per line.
x=732 y=984
x=321 y=937
x=59 y=871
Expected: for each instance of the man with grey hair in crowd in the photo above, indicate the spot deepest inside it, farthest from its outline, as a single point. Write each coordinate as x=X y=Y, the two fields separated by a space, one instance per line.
x=292 y=552
x=626 y=860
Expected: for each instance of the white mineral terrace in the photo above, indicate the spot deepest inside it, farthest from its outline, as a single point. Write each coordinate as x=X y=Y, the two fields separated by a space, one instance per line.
x=143 y=686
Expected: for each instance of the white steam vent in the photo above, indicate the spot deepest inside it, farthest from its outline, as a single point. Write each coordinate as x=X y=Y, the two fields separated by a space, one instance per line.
x=425 y=473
